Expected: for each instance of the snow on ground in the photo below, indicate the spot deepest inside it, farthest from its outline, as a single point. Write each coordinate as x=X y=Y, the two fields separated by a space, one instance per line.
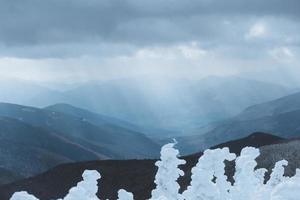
x=208 y=179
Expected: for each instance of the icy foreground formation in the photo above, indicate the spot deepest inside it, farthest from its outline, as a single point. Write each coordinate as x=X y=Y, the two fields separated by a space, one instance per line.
x=208 y=179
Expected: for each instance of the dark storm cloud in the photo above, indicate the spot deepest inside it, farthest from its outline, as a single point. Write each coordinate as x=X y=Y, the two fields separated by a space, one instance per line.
x=33 y=22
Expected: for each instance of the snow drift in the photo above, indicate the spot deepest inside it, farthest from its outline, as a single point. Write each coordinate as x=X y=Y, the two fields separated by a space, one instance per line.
x=209 y=181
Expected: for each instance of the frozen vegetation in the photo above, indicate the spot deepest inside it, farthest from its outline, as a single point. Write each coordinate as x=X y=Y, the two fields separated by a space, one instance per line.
x=208 y=179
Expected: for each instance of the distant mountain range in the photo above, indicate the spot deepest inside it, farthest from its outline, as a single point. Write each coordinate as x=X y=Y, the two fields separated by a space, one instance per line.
x=32 y=140
x=22 y=92
x=26 y=150
x=136 y=119
x=155 y=104
x=125 y=174
x=280 y=117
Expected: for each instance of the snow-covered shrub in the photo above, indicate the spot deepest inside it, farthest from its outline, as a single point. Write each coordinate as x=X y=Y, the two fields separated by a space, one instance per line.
x=245 y=175
x=288 y=189
x=124 y=195
x=22 y=196
x=167 y=174
x=85 y=189
x=209 y=181
x=210 y=165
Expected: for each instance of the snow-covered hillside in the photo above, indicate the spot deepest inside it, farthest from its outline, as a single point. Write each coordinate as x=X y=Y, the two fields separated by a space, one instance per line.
x=208 y=179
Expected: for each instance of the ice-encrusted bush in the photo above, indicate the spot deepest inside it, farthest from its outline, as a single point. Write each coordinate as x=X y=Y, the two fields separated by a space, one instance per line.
x=124 y=195
x=87 y=188
x=210 y=165
x=167 y=174
x=22 y=196
x=209 y=181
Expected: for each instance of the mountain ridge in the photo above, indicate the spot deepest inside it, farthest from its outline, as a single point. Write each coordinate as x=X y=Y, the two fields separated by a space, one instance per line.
x=279 y=116
x=169 y=104
x=35 y=140
x=125 y=174
x=97 y=137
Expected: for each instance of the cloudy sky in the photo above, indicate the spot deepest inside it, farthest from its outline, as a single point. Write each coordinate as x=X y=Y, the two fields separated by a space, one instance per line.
x=56 y=40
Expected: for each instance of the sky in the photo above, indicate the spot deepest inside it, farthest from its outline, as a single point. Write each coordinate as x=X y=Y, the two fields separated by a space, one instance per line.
x=71 y=40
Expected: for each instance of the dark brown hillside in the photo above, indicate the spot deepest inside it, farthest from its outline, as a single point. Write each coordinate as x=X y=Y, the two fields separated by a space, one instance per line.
x=257 y=139
x=133 y=175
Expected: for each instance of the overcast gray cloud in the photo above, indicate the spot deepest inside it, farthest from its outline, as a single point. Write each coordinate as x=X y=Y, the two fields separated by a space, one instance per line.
x=32 y=22
x=129 y=36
